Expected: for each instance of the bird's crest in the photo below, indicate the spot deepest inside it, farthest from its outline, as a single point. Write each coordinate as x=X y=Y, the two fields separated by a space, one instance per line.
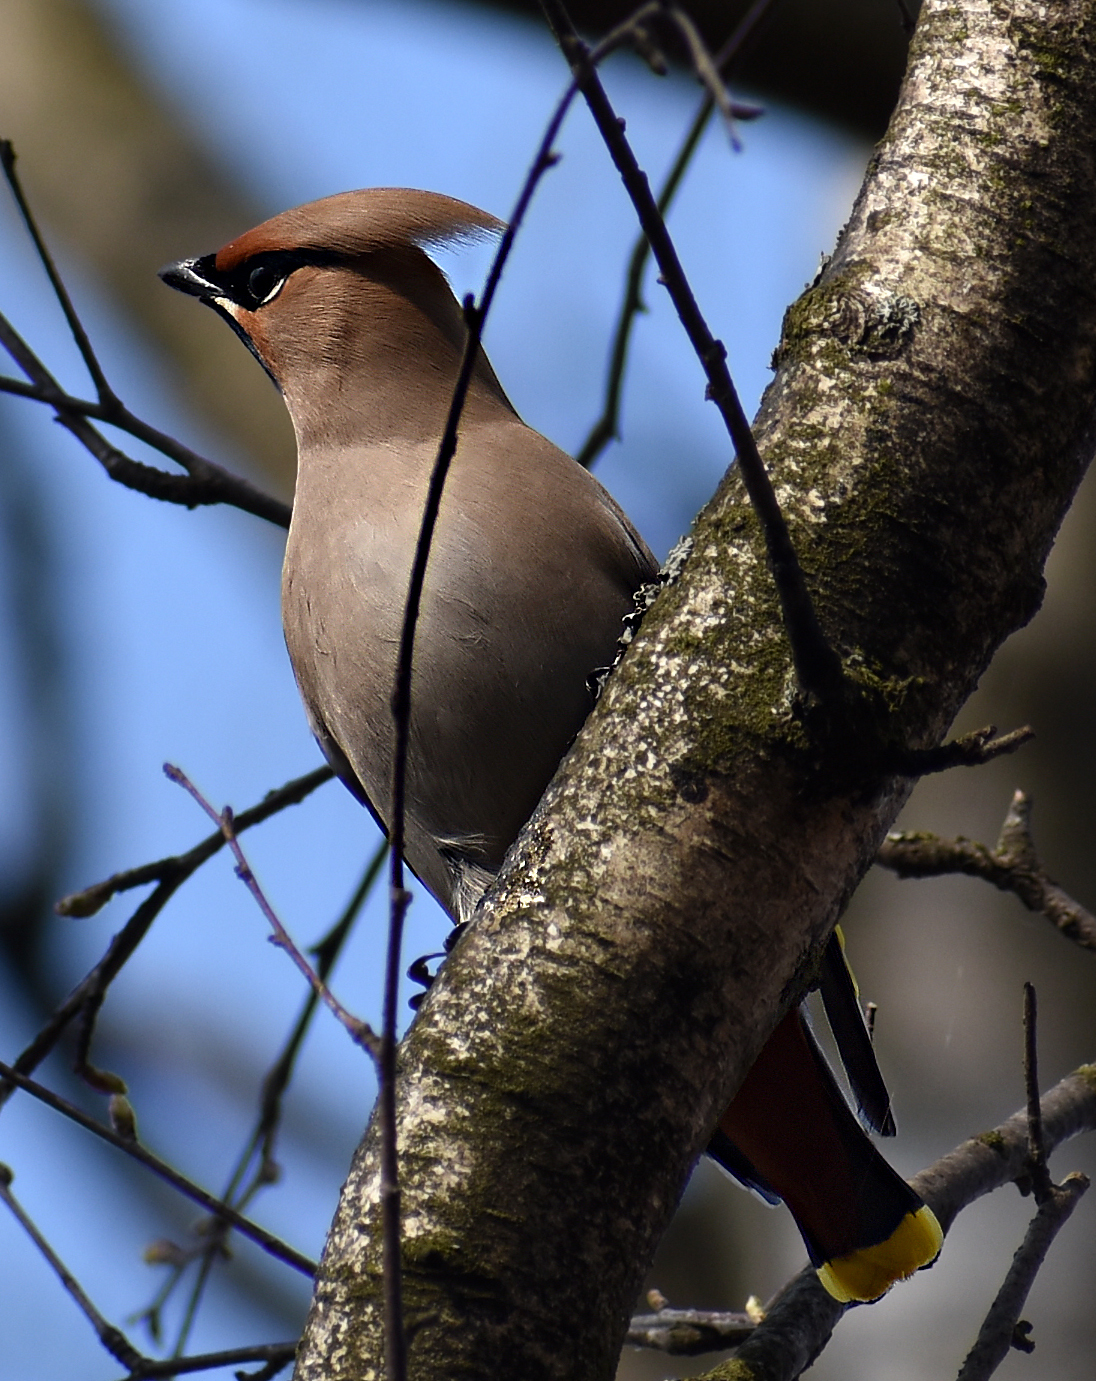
x=356 y=223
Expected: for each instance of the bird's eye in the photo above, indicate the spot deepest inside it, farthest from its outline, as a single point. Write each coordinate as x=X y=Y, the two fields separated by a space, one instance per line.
x=263 y=283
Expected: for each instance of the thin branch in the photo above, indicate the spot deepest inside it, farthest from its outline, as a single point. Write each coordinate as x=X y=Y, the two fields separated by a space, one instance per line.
x=327 y=952
x=706 y=67
x=92 y=899
x=277 y=1357
x=969 y=750
x=607 y=427
x=817 y=666
x=274 y=1246
x=688 y=1332
x=106 y=394
x=112 y=1338
x=86 y=998
x=204 y=483
x=1041 y=1185
x=1012 y=865
x=633 y=32
x=1003 y=1329
x=474 y=317
x=262 y=1138
x=170 y=873
x=360 y=1032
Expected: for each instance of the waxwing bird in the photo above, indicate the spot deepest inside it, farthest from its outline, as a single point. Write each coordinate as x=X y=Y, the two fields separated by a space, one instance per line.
x=532 y=569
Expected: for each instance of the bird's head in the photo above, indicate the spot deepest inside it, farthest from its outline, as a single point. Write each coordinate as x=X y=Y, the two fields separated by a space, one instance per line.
x=341 y=306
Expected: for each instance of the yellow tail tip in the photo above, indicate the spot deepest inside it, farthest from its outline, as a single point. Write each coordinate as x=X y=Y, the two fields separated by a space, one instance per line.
x=866 y=1274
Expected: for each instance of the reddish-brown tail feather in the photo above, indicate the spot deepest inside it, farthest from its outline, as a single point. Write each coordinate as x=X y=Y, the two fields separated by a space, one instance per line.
x=790 y=1134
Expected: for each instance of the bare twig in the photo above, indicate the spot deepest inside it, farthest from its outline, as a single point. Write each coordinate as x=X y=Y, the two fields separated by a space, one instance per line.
x=360 y=1032
x=92 y=899
x=1003 y=1329
x=112 y=1338
x=969 y=750
x=687 y=1332
x=214 y=1206
x=263 y=1136
x=75 y=325
x=277 y=1080
x=704 y=65
x=817 y=666
x=1012 y=865
x=474 y=316
x=1041 y=1185
x=86 y=998
x=608 y=424
x=276 y=1356
x=204 y=482
x=634 y=32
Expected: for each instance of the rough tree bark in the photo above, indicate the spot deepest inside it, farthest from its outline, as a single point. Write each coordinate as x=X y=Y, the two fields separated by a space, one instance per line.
x=931 y=417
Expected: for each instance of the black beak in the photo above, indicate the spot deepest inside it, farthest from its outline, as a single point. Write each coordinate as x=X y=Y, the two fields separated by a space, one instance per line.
x=193 y=276
x=198 y=277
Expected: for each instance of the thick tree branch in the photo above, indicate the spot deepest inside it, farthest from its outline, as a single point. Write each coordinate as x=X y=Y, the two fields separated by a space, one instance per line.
x=931 y=417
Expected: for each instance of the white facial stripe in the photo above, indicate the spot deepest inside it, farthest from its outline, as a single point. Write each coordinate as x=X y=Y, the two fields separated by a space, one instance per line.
x=234 y=309
x=274 y=291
